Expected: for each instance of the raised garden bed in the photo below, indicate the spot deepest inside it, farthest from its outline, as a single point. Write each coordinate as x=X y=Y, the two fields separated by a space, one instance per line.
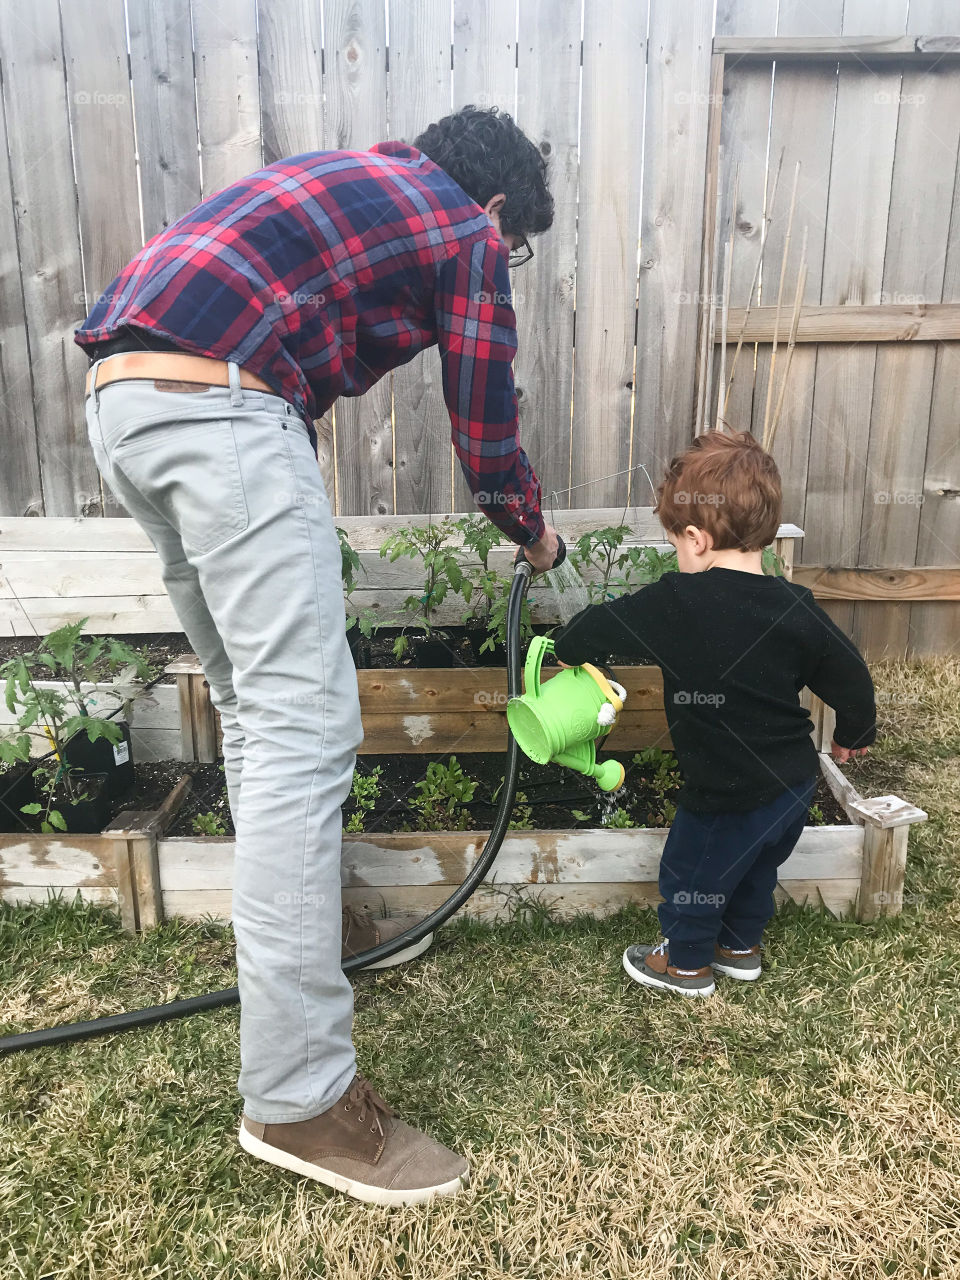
x=141 y=864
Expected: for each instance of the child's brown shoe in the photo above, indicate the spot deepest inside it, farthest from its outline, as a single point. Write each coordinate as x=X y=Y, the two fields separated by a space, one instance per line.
x=744 y=965
x=358 y=1146
x=651 y=966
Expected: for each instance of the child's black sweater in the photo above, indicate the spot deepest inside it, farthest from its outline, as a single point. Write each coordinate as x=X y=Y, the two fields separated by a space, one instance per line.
x=735 y=649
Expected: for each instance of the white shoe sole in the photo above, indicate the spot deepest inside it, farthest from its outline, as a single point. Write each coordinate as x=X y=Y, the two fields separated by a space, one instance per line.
x=650 y=980
x=338 y=1182
x=408 y=953
x=742 y=975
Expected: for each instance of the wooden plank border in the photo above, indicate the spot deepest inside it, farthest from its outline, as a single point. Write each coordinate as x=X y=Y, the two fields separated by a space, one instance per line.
x=911 y=49
x=885 y=322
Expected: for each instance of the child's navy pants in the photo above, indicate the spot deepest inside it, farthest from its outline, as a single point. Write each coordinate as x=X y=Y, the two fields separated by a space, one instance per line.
x=719 y=871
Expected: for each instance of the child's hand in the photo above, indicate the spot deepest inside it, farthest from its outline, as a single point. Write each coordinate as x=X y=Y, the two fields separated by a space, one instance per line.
x=566 y=665
x=843 y=754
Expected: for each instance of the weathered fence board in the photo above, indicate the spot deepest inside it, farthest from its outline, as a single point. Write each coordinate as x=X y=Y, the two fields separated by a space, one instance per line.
x=611 y=146
x=228 y=90
x=420 y=89
x=164 y=100
x=48 y=243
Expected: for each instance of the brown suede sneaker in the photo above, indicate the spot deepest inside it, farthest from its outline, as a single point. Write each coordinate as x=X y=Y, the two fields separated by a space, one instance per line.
x=359 y=1147
x=361 y=932
x=651 y=966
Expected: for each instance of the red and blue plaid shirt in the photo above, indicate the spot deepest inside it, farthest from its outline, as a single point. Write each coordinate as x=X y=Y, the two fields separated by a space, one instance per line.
x=324 y=271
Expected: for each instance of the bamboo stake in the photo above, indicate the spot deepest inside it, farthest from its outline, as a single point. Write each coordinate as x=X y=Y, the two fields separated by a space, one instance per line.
x=721 y=381
x=776 y=323
x=767 y=218
x=794 y=325
x=712 y=323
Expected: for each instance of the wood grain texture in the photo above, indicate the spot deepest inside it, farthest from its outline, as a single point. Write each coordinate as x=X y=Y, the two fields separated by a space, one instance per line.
x=611 y=125
x=921 y=208
x=674 y=163
x=51 y=279
x=291 y=77
x=420 y=93
x=888 y=322
x=355 y=85
x=165 y=110
x=20 y=486
x=861 y=165
x=807 y=94
x=880 y=584
x=228 y=90
x=548 y=91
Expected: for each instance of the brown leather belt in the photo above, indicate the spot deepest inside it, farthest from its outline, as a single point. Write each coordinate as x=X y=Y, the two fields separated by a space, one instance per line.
x=171 y=366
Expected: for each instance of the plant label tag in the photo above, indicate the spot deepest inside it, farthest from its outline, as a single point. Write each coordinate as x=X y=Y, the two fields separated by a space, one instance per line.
x=121 y=752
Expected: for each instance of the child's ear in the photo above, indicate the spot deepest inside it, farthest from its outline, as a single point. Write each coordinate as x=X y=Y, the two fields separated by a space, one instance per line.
x=698 y=540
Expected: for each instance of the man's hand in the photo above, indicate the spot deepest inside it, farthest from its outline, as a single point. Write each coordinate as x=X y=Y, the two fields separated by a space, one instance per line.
x=543 y=553
x=843 y=754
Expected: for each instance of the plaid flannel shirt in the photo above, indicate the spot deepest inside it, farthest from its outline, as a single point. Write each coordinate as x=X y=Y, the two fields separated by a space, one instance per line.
x=323 y=272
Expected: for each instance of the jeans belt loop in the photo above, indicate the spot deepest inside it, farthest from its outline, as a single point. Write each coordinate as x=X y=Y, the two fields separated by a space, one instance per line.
x=95 y=394
x=236 y=391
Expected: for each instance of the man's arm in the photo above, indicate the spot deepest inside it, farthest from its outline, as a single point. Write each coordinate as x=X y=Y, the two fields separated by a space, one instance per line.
x=477 y=337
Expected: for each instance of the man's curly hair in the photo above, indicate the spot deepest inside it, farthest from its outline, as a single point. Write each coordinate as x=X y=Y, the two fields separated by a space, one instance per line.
x=486 y=152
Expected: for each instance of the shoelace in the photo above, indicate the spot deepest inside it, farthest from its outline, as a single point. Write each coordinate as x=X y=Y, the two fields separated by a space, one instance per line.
x=364 y=1098
x=661 y=948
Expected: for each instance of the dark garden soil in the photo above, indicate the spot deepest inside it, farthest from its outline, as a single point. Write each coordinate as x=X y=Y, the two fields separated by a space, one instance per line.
x=549 y=798
x=158 y=648
x=551 y=795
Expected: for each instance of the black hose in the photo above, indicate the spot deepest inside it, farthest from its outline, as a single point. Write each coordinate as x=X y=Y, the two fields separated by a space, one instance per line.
x=70 y=1032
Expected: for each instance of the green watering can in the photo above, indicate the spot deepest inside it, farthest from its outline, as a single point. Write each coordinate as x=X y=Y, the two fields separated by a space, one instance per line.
x=562 y=719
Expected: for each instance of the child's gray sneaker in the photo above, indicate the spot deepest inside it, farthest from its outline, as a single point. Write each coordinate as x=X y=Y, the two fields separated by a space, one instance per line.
x=651 y=966
x=744 y=965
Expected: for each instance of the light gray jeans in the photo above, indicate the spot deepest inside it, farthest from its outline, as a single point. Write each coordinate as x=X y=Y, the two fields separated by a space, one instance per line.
x=225 y=483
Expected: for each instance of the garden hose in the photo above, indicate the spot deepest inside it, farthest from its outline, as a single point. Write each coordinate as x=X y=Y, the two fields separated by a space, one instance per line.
x=69 y=1032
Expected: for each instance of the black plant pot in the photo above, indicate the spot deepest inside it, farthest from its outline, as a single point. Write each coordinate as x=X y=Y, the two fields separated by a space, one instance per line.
x=17 y=788
x=491 y=657
x=359 y=648
x=430 y=651
x=114 y=761
x=92 y=814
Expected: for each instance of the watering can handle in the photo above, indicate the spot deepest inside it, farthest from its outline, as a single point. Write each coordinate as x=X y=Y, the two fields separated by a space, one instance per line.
x=540 y=646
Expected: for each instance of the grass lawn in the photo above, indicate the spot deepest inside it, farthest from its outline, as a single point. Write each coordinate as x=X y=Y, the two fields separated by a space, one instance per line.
x=804 y=1126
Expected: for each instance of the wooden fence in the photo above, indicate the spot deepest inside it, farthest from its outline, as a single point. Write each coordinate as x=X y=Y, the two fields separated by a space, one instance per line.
x=119 y=115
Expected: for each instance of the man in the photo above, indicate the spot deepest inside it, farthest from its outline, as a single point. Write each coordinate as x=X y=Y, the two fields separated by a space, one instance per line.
x=212 y=352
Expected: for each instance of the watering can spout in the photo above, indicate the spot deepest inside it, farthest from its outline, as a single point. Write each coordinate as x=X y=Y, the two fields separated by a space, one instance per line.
x=560 y=720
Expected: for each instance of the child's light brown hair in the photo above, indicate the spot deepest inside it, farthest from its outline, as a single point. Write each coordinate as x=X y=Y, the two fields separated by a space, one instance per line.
x=726 y=485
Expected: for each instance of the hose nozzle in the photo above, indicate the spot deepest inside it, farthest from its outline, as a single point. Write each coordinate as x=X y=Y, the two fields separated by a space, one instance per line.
x=522 y=565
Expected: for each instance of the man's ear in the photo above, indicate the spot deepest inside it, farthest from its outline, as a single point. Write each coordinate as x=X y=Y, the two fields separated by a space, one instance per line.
x=495 y=204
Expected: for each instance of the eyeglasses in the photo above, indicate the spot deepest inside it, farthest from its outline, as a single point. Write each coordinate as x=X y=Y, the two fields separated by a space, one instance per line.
x=521 y=254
